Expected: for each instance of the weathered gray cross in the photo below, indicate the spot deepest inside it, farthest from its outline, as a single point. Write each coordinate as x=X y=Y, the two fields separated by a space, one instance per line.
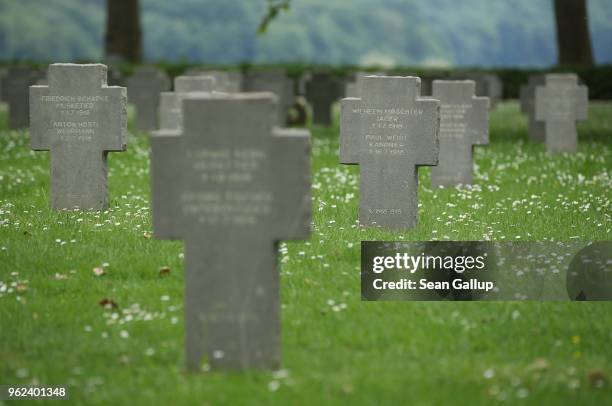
x=560 y=103
x=231 y=185
x=527 y=97
x=144 y=89
x=464 y=122
x=78 y=118
x=390 y=131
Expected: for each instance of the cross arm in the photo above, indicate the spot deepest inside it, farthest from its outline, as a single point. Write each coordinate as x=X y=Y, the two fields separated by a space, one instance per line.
x=291 y=152
x=39 y=119
x=166 y=186
x=350 y=131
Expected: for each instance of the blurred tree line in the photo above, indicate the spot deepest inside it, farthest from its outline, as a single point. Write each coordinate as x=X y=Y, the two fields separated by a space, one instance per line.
x=385 y=32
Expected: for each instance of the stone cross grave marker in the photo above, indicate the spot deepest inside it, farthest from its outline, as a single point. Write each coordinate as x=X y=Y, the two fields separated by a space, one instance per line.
x=464 y=122
x=275 y=81
x=231 y=185
x=15 y=86
x=390 y=131
x=78 y=118
x=560 y=103
x=536 y=128
x=170 y=102
x=322 y=91
x=144 y=89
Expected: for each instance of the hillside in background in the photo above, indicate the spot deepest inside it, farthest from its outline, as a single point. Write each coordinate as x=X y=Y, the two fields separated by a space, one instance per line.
x=393 y=32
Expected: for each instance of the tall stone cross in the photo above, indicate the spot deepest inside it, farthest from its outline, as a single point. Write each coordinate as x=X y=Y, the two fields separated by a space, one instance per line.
x=322 y=91
x=144 y=89
x=560 y=103
x=390 y=131
x=464 y=122
x=78 y=118
x=15 y=86
x=170 y=102
x=527 y=97
x=231 y=185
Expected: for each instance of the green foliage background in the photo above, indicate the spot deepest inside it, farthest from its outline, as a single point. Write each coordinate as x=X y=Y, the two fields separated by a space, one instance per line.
x=403 y=32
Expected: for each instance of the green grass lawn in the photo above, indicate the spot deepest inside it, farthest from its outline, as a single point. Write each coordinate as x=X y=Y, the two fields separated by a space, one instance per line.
x=336 y=349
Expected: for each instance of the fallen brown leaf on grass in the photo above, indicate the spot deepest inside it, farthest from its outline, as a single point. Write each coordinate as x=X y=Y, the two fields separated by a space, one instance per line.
x=597 y=378
x=164 y=271
x=21 y=286
x=108 y=303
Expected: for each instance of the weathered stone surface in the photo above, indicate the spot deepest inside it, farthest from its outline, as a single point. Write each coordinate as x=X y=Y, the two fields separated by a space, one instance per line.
x=322 y=91
x=390 y=131
x=352 y=87
x=144 y=89
x=15 y=86
x=560 y=103
x=464 y=122
x=231 y=185
x=527 y=95
x=170 y=102
x=78 y=118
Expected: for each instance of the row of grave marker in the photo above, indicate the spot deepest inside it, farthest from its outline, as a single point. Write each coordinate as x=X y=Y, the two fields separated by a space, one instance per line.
x=227 y=179
x=226 y=171
x=321 y=90
x=387 y=140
